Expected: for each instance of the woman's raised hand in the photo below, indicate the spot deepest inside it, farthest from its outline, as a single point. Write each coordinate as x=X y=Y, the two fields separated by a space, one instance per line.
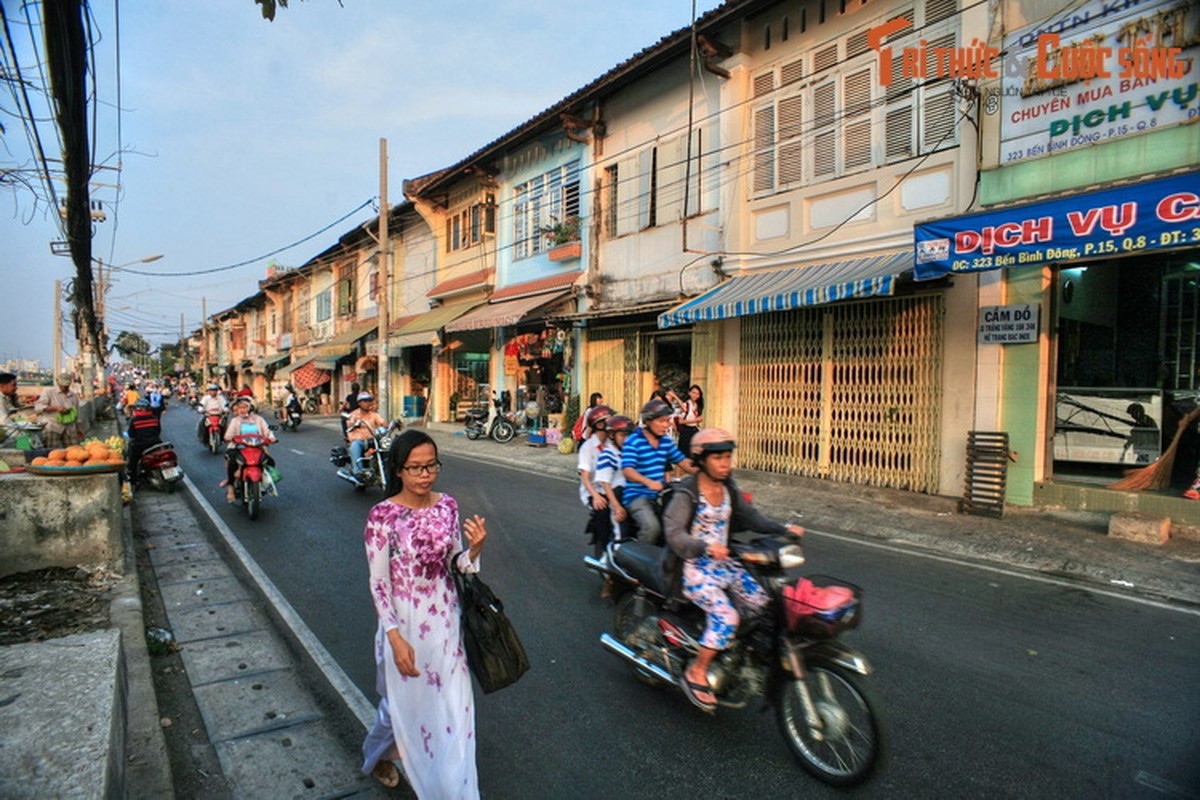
x=476 y=533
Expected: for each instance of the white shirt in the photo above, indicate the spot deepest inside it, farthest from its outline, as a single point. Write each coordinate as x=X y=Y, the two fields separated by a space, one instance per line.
x=588 y=451
x=213 y=405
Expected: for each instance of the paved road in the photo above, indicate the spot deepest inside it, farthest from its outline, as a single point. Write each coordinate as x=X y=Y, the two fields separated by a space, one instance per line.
x=992 y=684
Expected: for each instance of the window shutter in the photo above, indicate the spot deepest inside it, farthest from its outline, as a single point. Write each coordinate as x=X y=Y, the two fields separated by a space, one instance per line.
x=857 y=93
x=857 y=148
x=937 y=10
x=671 y=156
x=645 y=187
x=764 y=84
x=825 y=154
x=627 y=196
x=825 y=104
x=856 y=44
x=791 y=120
x=791 y=162
x=939 y=118
x=790 y=73
x=931 y=62
x=825 y=58
x=764 y=145
x=898 y=133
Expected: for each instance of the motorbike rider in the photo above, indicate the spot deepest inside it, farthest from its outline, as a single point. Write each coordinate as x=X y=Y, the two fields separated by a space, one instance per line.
x=360 y=427
x=647 y=455
x=590 y=493
x=702 y=511
x=145 y=431
x=611 y=479
x=212 y=403
x=242 y=422
x=291 y=403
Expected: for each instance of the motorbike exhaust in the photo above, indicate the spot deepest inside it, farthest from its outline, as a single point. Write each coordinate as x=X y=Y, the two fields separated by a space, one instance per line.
x=616 y=647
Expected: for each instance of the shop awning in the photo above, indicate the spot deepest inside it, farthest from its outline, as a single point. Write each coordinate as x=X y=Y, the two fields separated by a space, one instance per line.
x=506 y=312
x=283 y=372
x=785 y=289
x=308 y=376
x=1089 y=226
x=422 y=329
x=351 y=335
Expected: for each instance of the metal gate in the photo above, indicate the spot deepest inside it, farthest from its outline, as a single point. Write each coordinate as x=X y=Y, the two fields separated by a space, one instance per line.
x=850 y=392
x=618 y=359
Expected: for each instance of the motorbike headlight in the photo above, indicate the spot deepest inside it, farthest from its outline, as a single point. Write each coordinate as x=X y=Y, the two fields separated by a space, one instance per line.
x=790 y=556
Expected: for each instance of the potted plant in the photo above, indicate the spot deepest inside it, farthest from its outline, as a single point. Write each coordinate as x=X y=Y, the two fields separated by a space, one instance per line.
x=564 y=238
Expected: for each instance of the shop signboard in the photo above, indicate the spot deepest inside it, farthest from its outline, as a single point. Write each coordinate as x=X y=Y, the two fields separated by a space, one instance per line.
x=1009 y=324
x=1126 y=220
x=1097 y=71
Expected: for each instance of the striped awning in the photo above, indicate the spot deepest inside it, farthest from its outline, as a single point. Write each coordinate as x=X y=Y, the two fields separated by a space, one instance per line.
x=506 y=312
x=785 y=289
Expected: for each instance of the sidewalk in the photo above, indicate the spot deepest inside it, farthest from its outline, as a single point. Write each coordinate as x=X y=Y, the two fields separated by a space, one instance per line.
x=1069 y=545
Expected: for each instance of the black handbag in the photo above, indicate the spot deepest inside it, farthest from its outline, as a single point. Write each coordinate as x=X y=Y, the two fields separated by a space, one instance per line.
x=494 y=652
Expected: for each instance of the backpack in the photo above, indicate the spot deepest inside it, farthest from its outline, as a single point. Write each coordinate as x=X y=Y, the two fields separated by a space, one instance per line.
x=577 y=428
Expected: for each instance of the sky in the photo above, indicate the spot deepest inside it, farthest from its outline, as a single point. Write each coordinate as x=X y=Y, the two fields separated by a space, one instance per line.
x=237 y=137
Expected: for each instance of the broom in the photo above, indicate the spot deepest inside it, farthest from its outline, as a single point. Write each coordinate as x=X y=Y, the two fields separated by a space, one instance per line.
x=1157 y=476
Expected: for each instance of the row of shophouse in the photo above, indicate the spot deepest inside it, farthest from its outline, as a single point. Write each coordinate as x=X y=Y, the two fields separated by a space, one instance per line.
x=861 y=260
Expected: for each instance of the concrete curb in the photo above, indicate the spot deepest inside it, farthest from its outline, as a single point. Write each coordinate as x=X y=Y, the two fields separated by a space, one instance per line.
x=285 y=615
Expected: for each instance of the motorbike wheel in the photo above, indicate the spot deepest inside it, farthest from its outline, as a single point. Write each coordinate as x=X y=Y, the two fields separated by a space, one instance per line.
x=504 y=432
x=253 y=493
x=214 y=442
x=473 y=432
x=850 y=741
x=635 y=632
x=310 y=406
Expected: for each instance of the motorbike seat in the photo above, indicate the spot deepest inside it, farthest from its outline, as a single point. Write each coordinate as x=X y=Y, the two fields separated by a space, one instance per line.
x=645 y=563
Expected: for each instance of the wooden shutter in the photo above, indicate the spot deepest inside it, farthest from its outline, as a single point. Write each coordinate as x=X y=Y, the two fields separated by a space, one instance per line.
x=764 y=145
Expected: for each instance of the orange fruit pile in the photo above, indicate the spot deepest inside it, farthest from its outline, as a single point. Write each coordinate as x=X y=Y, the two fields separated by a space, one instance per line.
x=91 y=455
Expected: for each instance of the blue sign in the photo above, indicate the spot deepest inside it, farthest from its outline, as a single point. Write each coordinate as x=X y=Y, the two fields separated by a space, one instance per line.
x=1130 y=219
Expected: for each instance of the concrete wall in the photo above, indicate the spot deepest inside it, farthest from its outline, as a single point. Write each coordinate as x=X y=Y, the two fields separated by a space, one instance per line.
x=60 y=521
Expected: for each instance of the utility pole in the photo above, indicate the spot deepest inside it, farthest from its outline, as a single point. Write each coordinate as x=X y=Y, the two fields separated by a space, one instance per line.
x=204 y=340
x=385 y=248
x=183 y=346
x=57 y=329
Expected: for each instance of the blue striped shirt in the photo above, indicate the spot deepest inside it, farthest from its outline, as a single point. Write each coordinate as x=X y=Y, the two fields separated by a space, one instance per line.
x=650 y=461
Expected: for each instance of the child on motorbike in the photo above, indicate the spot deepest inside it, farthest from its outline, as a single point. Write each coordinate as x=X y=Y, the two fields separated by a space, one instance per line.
x=243 y=422
x=590 y=493
x=699 y=517
x=360 y=426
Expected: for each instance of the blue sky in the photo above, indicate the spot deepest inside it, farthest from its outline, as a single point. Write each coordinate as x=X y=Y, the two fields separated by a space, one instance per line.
x=240 y=136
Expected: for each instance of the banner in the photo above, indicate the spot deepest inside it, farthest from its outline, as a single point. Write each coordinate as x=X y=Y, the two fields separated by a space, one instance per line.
x=1097 y=71
x=1123 y=221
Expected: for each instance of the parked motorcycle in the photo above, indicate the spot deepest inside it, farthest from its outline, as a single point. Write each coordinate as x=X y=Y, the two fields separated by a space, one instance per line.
x=789 y=654
x=373 y=470
x=255 y=480
x=491 y=423
x=159 y=467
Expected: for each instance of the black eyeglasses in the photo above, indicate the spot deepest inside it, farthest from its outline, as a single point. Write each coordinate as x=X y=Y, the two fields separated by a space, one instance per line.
x=423 y=469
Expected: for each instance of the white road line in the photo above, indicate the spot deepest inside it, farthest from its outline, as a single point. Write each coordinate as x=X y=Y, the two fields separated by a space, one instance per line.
x=297 y=452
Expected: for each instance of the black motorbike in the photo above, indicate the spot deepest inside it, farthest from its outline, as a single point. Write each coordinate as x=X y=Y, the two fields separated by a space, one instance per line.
x=789 y=654
x=373 y=469
x=292 y=415
x=493 y=423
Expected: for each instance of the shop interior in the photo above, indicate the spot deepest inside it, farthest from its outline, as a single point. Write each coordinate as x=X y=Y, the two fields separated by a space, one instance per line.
x=1127 y=368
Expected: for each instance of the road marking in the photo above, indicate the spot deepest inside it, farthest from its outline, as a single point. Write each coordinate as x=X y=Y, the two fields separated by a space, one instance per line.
x=1160 y=784
x=1012 y=573
x=297 y=452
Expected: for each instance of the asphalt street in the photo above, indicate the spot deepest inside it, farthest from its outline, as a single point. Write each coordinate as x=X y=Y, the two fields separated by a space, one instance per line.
x=991 y=684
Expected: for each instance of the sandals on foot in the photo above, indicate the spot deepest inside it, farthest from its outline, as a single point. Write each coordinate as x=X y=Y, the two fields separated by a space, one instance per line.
x=386 y=773
x=694 y=692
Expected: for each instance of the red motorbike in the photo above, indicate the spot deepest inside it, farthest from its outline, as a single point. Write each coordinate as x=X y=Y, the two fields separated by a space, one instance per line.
x=214 y=429
x=254 y=470
x=159 y=467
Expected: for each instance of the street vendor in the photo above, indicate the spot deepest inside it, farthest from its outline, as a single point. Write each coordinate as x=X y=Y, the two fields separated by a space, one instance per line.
x=59 y=409
x=8 y=397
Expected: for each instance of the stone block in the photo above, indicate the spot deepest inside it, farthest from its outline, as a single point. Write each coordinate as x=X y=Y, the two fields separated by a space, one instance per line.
x=1135 y=526
x=59 y=521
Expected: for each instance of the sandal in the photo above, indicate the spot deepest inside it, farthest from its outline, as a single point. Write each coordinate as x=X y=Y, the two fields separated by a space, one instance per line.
x=386 y=773
x=693 y=691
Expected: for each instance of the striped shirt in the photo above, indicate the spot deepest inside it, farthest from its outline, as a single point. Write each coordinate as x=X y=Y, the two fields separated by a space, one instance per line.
x=650 y=461
x=608 y=467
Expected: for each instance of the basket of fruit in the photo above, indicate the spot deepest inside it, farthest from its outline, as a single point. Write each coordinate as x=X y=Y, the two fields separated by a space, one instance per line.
x=92 y=456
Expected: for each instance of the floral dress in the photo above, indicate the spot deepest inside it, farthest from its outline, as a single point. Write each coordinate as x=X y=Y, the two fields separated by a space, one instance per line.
x=429 y=718
x=706 y=580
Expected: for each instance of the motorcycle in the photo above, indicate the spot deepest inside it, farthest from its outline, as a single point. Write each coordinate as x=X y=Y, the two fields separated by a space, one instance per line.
x=291 y=416
x=491 y=423
x=373 y=470
x=214 y=430
x=255 y=480
x=159 y=467
x=789 y=653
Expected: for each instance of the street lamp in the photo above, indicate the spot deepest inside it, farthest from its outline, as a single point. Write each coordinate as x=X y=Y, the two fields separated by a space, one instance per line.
x=103 y=279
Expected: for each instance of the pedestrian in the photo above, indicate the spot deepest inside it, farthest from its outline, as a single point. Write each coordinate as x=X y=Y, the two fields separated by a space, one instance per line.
x=426 y=713
x=692 y=417
x=59 y=409
x=8 y=396
x=579 y=429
